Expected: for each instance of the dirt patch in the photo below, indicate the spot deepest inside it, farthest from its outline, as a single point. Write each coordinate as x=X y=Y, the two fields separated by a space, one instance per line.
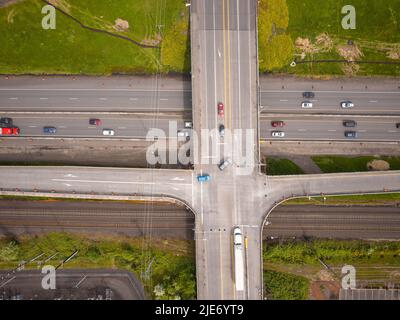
x=350 y=52
x=305 y=45
x=325 y=290
x=152 y=41
x=350 y=69
x=324 y=41
x=121 y=25
x=394 y=53
x=378 y=165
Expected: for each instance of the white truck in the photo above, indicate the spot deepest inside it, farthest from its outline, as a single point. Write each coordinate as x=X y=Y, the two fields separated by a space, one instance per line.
x=238 y=257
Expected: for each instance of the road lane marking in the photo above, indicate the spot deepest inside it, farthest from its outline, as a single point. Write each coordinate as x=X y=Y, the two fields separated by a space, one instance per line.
x=73 y=98
x=32 y=126
x=103 y=99
x=283 y=100
x=373 y=101
x=13 y=98
x=163 y=99
x=133 y=99
x=302 y=130
x=332 y=130
x=43 y=98
x=120 y=182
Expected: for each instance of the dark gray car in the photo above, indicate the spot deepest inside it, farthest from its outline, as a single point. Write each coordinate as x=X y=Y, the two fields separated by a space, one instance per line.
x=349 y=123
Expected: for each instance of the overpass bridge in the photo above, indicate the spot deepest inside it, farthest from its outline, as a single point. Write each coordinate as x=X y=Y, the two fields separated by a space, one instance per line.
x=224 y=69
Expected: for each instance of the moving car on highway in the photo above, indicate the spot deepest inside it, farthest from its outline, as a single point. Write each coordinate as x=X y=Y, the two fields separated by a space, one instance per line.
x=220 y=109
x=306 y=104
x=221 y=131
x=278 y=134
x=95 y=122
x=308 y=95
x=224 y=164
x=278 y=124
x=347 y=104
x=203 y=178
x=108 y=132
x=49 y=130
x=6 y=122
x=398 y=125
x=350 y=134
x=349 y=123
x=9 y=131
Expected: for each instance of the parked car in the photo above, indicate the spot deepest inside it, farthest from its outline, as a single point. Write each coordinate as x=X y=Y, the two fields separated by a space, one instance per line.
x=220 y=109
x=224 y=164
x=278 y=134
x=347 y=104
x=306 y=104
x=50 y=130
x=308 y=95
x=6 y=122
x=108 y=132
x=203 y=178
x=277 y=124
x=221 y=131
x=95 y=122
x=350 y=134
x=349 y=123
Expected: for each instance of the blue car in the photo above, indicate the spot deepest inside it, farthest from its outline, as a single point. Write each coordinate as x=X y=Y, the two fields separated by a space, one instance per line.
x=50 y=130
x=204 y=178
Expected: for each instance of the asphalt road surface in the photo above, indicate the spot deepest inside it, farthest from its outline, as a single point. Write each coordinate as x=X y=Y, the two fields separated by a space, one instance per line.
x=72 y=284
x=333 y=222
x=105 y=217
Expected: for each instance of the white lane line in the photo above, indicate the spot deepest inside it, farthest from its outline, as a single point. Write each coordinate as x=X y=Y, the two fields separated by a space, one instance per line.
x=302 y=130
x=163 y=99
x=283 y=100
x=120 y=182
x=362 y=131
x=392 y=131
x=122 y=128
x=73 y=98
x=62 y=127
x=133 y=99
x=373 y=101
x=13 y=98
x=332 y=130
x=103 y=99
x=32 y=126
x=43 y=98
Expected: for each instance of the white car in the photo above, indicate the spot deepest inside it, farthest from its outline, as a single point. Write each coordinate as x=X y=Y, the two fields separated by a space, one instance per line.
x=347 y=104
x=237 y=236
x=278 y=134
x=108 y=132
x=306 y=105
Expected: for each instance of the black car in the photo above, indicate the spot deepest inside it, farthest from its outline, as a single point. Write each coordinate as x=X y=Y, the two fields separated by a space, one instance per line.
x=350 y=134
x=349 y=123
x=398 y=125
x=308 y=95
x=6 y=122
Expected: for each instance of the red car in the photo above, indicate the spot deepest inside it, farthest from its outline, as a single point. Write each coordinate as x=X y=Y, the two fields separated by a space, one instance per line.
x=277 y=124
x=95 y=122
x=13 y=131
x=220 y=109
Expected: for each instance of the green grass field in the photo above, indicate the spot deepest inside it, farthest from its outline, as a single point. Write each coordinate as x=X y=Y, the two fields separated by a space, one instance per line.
x=70 y=49
x=276 y=167
x=376 y=35
x=332 y=164
x=285 y=286
x=173 y=268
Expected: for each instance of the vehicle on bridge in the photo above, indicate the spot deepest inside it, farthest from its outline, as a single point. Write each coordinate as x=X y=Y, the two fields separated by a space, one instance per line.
x=95 y=122
x=221 y=131
x=349 y=123
x=278 y=124
x=238 y=257
x=347 y=104
x=6 y=122
x=9 y=131
x=278 y=134
x=350 y=134
x=203 y=178
x=224 y=164
x=220 y=109
x=50 y=130
x=306 y=105
x=108 y=132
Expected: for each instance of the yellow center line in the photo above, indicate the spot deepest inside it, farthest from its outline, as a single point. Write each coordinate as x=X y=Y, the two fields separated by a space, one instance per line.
x=229 y=71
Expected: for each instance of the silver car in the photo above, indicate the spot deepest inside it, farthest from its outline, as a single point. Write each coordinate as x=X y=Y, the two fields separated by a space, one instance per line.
x=347 y=104
x=224 y=164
